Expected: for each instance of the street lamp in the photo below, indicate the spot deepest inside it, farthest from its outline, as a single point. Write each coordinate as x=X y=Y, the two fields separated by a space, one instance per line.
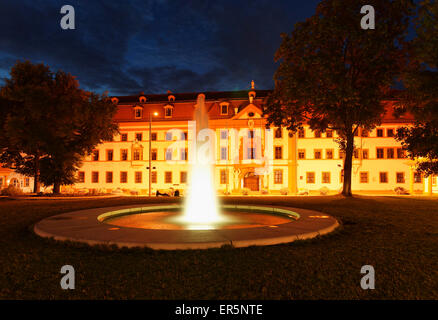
x=150 y=149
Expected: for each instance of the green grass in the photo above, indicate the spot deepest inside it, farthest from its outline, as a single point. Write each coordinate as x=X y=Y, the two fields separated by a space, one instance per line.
x=396 y=235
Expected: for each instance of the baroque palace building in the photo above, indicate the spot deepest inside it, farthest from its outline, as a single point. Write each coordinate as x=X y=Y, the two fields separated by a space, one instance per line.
x=248 y=158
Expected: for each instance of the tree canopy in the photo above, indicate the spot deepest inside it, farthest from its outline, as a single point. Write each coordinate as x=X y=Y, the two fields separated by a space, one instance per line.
x=421 y=94
x=335 y=75
x=55 y=124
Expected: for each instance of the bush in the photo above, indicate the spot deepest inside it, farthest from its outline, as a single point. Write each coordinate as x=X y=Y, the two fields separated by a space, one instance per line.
x=303 y=192
x=323 y=191
x=245 y=191
x=284 y=191
x=264 y=191
x=11 y=191
x=401 y=190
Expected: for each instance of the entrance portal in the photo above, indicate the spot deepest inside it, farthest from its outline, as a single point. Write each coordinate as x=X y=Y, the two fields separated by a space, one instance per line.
x=251 y=181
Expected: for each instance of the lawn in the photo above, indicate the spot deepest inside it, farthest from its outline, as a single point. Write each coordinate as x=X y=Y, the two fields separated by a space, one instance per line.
x=396 y=235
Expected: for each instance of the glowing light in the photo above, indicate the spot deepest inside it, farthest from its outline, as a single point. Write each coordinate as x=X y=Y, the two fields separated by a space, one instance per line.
x=155 y=113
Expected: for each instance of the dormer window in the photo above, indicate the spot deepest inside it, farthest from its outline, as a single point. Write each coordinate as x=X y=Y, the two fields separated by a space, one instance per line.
x=138 y=112
x=224 y=108
x=114 y=100
x=168 y=111
x=142 y=99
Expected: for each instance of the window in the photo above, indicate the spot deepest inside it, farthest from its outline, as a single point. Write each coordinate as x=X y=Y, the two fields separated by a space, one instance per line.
x=109 y=177
x=154 y=136
x=95 y=155
x=400 y=177
x=184 y=136
x=380 y=132
x=417 y=177
x=168 y=177
x=365 y=133
x=301 y=133
x=124 y=137
x=168 y=154
x=81 y=177
x=310 y=177
x=168 y=112
x=365 y=154
x=138 y=177
x=183 y=177
x=326 y=177
x=389 y=132
x=401 y=154
x=95 y=177
x=251 y=134
x=224 y=153
x=137 y=154
x=224 y=109
x=356 y=154
x=168 y=136
x=138 y=136
x=278 y=152
x=251 y=153
x=154 y=154
x=109 y=155
x=317 y=134
x=278 y=176
x=329 y=154
x=123 y=177
x=224 y=134
x=154 y=177
x=301 y=154
x=318 y=153
x=224 y=176
x=278 y=133
x=383 y=177
x=380 y=154
x=329 y=133
x=124 y=154
x=184 y=154
x=364 y=177
x=390 y=153
x=138 y=113
x=341 y=154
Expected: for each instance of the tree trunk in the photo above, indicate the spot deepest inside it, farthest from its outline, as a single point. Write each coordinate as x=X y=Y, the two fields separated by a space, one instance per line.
x=56 y=188
x=36 y=180
x=348 y=164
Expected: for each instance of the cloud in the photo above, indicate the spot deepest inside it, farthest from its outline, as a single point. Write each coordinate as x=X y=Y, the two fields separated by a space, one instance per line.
x=152 y=46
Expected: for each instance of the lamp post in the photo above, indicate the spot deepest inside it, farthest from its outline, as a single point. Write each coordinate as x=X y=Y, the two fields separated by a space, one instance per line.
x=150 y=150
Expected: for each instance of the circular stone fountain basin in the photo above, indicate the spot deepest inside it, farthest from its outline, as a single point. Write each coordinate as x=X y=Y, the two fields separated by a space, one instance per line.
x=171 y=218
x=164 y=227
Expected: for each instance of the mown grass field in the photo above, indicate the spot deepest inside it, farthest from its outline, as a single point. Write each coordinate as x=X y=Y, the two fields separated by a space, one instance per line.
x=396 y=235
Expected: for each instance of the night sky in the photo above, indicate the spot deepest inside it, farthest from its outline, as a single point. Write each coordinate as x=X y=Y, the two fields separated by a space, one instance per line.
x=126 y=47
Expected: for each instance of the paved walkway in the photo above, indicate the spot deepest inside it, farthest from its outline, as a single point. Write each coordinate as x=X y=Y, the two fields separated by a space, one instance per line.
x=84 y=226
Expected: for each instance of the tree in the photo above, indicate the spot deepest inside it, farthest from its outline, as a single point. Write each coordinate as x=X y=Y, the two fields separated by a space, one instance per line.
x=421 y=94
x=22 y=143
x=334 y=75
x=66 y=123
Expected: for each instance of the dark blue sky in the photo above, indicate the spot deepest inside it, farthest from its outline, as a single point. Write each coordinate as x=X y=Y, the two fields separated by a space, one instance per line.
x=127 y=47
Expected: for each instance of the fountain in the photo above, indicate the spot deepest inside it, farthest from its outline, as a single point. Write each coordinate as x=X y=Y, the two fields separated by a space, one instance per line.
x=201 y=206
x=201 y=223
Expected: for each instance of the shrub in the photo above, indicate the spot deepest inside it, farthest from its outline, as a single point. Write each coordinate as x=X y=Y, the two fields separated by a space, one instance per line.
x=284 y=191
x=11 y=191
x=245 y=191
x=400 y=190
x=323 y=191
x=264 y=191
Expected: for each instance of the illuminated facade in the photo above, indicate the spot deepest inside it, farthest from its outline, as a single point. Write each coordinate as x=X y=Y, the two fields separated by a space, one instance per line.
x=248 y=158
